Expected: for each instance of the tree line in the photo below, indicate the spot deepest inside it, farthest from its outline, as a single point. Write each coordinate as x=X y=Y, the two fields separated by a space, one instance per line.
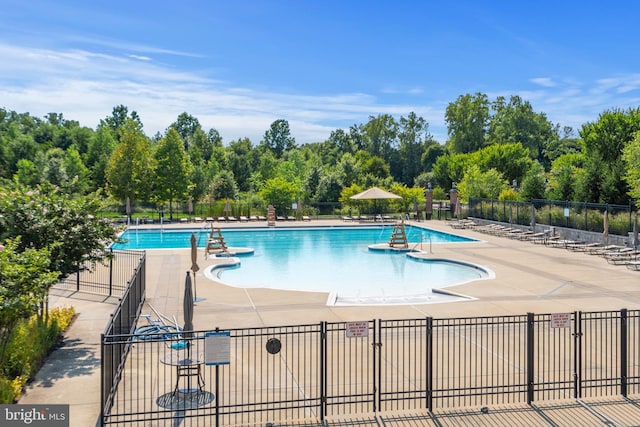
x=498 y=148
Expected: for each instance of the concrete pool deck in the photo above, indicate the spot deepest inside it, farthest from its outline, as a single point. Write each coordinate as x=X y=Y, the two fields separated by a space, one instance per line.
x=529 y=278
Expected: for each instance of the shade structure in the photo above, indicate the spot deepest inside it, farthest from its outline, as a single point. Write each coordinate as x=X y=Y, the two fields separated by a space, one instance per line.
x=605 y=226
x=458 y=209
x=187 y=308
x=375 y=193
x=194 y=265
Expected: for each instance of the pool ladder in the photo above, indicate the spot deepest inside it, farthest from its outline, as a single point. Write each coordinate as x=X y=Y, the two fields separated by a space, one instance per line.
x=420 y=244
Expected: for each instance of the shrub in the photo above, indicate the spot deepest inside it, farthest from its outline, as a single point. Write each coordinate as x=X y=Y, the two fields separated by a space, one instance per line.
x=29 y=345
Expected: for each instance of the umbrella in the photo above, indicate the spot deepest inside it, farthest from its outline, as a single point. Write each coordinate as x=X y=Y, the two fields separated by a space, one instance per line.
x=533 y=217
x=194 y=264
x=375 y=193
x=635 y=231
x=187 y=308
x=128 y=208
x=605 y=233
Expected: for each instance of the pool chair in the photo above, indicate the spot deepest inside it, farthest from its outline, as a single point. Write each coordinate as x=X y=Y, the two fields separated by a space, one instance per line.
x=583 y=246
x=253 y=218
x=346 y=218
x=244 y=219
x=622 y=257
x=197 y=219
x=209 y=219
x=222 y=219
x=262 y=218
x=291 y=218
x=306 y=218
x=604 y=249
x=232 y=219
x=633 y=265
x=280 y=218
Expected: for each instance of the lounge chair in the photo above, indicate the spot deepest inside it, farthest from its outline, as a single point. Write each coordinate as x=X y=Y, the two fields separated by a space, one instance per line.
x=622 y=257
x=222 y=219
x=291 y=218
x=346 y=218
x=582 y=246
x=280 y=218
x=197 y=219
x=209 y=219
x=633 y=265
x=232 y=218
x=262 y=218
x=243 y=219
x=306 y=218
x=253 y=218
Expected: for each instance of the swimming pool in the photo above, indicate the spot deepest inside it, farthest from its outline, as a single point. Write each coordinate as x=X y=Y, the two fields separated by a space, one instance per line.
x=329 y=259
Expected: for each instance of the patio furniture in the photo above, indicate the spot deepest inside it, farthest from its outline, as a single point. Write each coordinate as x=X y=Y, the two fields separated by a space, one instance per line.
x=189 y=367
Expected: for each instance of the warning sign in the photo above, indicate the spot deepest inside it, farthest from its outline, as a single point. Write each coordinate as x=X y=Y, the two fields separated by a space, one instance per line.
x=357 y=329
x=561 y=320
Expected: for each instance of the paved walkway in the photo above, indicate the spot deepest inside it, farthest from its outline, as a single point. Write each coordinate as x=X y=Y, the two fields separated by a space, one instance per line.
x=529 y=278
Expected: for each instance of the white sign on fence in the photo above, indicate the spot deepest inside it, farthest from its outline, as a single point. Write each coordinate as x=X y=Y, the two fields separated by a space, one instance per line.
x=357 y=329
x=560 y=320
x=217 y=348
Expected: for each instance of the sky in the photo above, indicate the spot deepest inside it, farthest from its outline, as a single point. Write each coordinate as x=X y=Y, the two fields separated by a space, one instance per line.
x=238 y=66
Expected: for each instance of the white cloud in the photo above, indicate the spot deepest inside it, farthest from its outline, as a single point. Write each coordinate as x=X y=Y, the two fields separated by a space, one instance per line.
x=544 y=81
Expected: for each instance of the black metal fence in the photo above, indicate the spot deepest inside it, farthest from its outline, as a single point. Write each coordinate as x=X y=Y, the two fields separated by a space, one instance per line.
x=316 y=372
x=122 y=323
x=108 y=277
x=576 y=215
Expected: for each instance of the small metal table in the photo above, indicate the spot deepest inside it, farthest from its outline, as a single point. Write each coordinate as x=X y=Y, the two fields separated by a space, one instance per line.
x=188 y=365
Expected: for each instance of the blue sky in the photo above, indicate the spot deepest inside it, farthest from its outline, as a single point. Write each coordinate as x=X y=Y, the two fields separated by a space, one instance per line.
x=238 y=66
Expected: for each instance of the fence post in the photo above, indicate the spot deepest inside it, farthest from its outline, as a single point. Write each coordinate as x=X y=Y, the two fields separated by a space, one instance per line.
x=102 y=382
x=430 y=364
x=323 y=370
x=623 y=352
x=78 y=280
x=111 y=272
x=577 y=355
x=530 y=357
x=217 y=388
x=377 y=366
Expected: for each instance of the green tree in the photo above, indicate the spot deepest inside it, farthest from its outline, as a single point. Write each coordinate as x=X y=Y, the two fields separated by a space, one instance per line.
x=511 y=160
x=631 y=158
x=414 y=138
x=467 y=119
x=130 y=172
x=278 y=138
x=476 y=183
x=99 y=151
x=449 y=169
x=76 y=172
x=604 y=142
x=173 y=170
x=564 y=175
x=27 y=173
x=280 y=193
x=533 y=184
x=516 y=122
x=239 y=156
x=224 y=186
x=47 y=218
x=25 y=280
x=380 y=136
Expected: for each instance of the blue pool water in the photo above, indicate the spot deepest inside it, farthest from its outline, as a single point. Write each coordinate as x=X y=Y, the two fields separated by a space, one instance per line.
x=325 y=259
